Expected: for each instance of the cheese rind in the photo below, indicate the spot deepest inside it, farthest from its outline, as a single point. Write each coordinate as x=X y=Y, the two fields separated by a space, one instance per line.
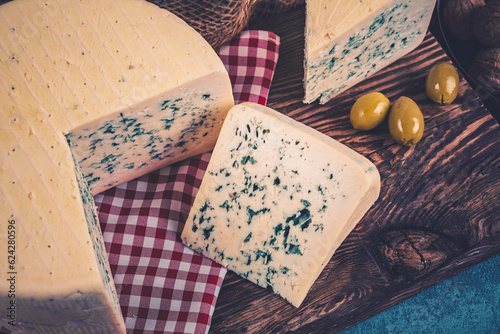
x=348 y=41
x=93 y=308
x=67 y=69
x=277 y=200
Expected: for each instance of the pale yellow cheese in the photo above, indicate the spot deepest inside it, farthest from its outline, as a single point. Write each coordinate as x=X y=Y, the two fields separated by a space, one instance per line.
x=277 y=200
x=68 y=68
x=348 y=41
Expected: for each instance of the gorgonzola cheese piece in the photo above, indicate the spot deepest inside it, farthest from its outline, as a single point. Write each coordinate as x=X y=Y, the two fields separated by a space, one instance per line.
x=348 y=41
x=278 y=198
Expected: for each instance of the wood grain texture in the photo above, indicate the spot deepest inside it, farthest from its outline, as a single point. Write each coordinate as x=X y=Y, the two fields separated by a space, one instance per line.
x=437 y=214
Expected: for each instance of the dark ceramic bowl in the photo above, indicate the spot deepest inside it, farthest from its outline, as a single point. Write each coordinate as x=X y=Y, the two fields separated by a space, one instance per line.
x=462 y=54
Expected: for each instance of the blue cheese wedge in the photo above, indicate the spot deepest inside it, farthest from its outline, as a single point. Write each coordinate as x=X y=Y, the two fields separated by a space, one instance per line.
x=347 y=41
x=277 y=199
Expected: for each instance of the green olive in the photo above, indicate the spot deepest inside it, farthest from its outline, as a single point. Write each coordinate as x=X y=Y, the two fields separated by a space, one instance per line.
x=442 y=82
x=406 y=122
x=369 y=111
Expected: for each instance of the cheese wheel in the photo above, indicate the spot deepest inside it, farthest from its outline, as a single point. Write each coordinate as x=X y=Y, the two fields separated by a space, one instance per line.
x=92 y=94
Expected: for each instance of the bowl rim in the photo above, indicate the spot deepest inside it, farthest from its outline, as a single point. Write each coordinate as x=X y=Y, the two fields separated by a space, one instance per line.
x=445 y=33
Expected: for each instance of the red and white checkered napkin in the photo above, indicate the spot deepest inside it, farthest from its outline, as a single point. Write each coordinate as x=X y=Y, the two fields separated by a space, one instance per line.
x=163 y=286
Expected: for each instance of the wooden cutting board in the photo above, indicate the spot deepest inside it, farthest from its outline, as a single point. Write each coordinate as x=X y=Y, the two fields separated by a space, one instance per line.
x=438 y=212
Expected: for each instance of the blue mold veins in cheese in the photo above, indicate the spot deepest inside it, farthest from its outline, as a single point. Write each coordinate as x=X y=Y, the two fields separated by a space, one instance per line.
x=277 y=200
x=170 y=131
x=348 y=41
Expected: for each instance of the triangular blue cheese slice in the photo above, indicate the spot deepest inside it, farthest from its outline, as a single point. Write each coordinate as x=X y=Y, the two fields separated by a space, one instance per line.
x=277 y=199
x=347 y=41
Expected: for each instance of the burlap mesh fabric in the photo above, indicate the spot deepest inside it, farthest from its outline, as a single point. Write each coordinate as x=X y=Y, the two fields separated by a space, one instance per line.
x=220 y=20
x=270 y=7
x=216 y=20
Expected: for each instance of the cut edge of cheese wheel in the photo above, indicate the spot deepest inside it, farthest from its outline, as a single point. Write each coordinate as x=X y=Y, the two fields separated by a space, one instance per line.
x=116 y=148
x=278 y=198
x=348 y=41
x=67 y=71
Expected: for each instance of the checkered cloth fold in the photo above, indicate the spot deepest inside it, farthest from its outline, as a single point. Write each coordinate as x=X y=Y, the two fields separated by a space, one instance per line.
x=163 y=286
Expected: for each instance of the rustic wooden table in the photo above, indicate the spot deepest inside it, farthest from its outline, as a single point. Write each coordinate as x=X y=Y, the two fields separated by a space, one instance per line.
x=437 y=213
